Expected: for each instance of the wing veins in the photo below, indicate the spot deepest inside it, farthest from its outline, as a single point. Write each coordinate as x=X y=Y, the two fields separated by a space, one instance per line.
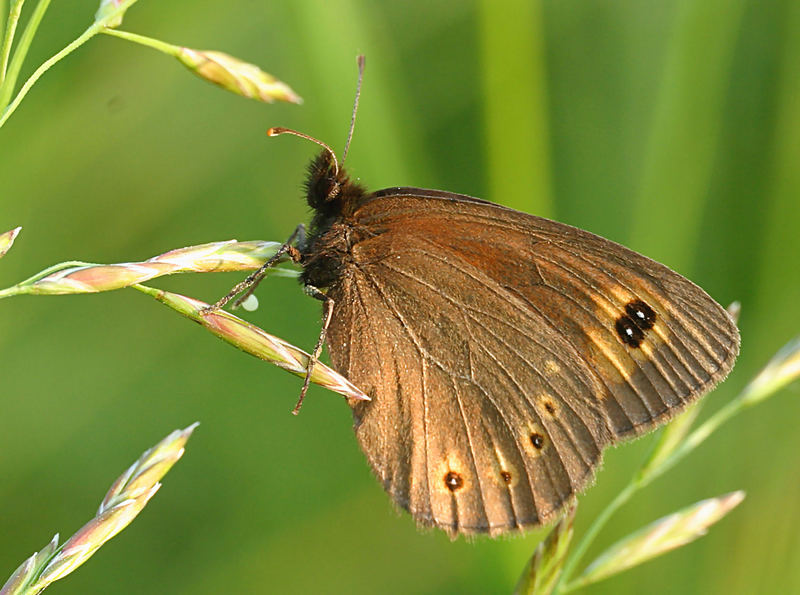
x=683 y=322
x=595 y=246
x=567 y=430
x=467 y=308
x=689 y=323
x=591 y=287
x=501 y=295
x=424 y=400
x=471 y=453
x=425 y=356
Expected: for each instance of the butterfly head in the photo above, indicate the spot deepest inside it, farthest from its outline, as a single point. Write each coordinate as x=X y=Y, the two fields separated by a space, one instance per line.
x=325 y=181
x=329 y=190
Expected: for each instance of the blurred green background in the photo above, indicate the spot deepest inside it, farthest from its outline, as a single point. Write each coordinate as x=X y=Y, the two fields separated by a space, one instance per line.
x=670 y=126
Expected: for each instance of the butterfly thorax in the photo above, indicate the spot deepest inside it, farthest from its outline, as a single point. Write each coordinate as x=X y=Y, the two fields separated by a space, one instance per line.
x=333 y=197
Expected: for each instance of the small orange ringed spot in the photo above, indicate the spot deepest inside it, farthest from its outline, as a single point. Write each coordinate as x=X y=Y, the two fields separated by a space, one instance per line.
x=551 y=409
x=453 y=481
x=537 y=440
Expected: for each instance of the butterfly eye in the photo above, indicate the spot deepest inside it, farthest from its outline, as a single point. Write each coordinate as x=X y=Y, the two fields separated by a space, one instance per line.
x=453 y=481
x=333 y=191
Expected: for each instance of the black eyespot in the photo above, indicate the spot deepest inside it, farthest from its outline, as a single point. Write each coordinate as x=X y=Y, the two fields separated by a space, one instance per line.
x=537 y=440
x=642 y=314
x=506 y=476
x=629 y=331
x=453 y=481
x=551 y=409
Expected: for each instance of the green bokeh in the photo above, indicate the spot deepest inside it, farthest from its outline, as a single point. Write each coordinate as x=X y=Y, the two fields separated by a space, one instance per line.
x=672 y=126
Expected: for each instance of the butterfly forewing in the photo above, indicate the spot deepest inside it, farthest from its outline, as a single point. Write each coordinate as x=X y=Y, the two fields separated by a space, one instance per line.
x=503 y=351
x=592 y=290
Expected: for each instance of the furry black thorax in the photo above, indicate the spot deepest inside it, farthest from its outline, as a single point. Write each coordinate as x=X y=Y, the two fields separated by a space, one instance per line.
x=333 y=197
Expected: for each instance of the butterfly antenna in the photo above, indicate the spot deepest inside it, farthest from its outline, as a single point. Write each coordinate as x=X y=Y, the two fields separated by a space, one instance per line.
x=361 y=60
x=276 y=130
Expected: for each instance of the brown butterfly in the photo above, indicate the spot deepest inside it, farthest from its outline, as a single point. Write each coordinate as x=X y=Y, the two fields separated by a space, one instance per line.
x=502 y=351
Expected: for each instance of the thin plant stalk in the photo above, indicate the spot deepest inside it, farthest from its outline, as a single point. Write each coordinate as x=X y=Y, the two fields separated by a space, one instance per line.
x=109 y=18
x=162 y=46
x=588 y=537
x=93 y=30
x=9 y=30
x=222 y=69
x=9 y=78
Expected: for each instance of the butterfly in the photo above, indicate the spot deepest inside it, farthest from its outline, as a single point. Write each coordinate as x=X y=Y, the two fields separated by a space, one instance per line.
x=502 y=352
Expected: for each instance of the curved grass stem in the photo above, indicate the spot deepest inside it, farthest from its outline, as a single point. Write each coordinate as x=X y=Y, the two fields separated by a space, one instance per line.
x=156 y=44
x=563 y=585
x=9 y=30
x=9 y=78
x=93 y=30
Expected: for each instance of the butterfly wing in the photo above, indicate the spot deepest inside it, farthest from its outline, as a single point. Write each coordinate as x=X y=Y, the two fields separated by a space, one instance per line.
x=503 y=351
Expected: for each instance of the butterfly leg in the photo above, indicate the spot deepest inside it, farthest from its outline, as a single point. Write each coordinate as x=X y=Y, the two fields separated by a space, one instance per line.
x=327 y=313
x=251 y=282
